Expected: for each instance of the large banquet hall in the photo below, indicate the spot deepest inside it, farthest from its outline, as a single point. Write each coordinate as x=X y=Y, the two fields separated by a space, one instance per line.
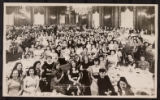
x=90 y=50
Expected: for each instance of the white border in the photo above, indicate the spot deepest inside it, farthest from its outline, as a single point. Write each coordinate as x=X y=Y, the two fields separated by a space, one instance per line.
x=82 y=4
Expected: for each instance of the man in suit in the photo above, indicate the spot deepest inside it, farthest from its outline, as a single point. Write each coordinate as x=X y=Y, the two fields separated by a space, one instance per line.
x=104 y=84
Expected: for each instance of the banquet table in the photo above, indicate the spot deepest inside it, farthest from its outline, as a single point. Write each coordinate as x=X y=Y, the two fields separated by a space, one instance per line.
x=140 y=80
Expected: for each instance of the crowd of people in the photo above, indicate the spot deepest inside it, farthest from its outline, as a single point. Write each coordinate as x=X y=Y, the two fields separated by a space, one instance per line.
x=74 y=60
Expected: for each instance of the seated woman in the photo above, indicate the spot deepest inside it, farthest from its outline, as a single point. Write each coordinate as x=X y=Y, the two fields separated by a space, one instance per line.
x=37 y=68
x=48 y=72
x=66 y=53
x=116 y=46
x=94 y=50
x=19 y=67
x=74 y=75
x=30 y=83
x=100 y=52
x=78 y=60
x=88 y=46
x=94 y=70
x=85 y=51
x=124 y=89
x=44 y=41
x=38 y=52
x=112 y=58
x=47 y=52
x=85 y=79
x=111 y=45
x=54 y=55
x=130 y=62
x=102 y=61
x=28 y=52
x=79 y=50
x=57 y=82
x=143 y=64
x=104 y=84
x=14 y=84
x=32 y=48
x=120 y=57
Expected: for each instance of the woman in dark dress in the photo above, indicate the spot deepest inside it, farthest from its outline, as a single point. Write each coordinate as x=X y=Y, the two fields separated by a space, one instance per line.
x=74 y=78
x=124 y=88
x=58 y=82
x=130 y=62
x=105 y=86
x=49 y=71
x=37 y=68
x=85 y=78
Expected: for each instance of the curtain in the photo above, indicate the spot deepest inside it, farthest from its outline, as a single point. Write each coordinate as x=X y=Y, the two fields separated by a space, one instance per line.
x=9 y=19
x=127 y=19
x=39 y=19
x=62 y=19
x=96 y=22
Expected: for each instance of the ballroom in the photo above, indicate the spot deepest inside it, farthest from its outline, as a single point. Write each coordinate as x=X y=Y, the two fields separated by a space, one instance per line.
x=98 y=50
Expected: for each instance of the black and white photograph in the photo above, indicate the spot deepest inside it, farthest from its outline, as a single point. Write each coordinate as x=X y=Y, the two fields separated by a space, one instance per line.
x=80 y=50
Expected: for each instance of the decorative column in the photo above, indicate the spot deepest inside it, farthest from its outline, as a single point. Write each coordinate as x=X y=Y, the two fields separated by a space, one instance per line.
x=66 y=18
x=77 y=18
x=101 y=13
x=69 y=14
x=112 y=16
x=46 y=16
x=119 y=16
x=90 y=19
x=134 y=17
x=32 y=15
x=57 y=16
x=116 y=17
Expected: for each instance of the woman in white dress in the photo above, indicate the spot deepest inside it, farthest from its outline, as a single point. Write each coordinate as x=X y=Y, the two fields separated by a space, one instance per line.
x=94 y=50
x=94 y=71
x=88 y=46
x=14 y=84
x=102 y=61
x=44 y=42
x=112 y=58
x=38 y=52
x=31 y=83
x=47 y=52
x=111 y=45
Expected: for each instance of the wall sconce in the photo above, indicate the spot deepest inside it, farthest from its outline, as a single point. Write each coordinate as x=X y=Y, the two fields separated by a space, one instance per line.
x=107 y=16
x=84 y=17
x=146 y=15
x=53 y=17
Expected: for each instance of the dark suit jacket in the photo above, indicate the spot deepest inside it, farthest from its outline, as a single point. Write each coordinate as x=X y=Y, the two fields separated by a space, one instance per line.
x=104 y=85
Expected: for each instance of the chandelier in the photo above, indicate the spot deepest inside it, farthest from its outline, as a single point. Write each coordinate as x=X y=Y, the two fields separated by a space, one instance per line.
x=23 y=12
x=82 y=9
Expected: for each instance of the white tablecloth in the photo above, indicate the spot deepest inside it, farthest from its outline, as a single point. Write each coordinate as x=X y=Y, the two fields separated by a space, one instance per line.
x=139 y=80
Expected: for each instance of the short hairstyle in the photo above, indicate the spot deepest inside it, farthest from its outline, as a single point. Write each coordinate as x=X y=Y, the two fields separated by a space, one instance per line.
x=102 y=70
x=96 y=59
x=101 y=56
x=49 y=57
x=113 y=51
